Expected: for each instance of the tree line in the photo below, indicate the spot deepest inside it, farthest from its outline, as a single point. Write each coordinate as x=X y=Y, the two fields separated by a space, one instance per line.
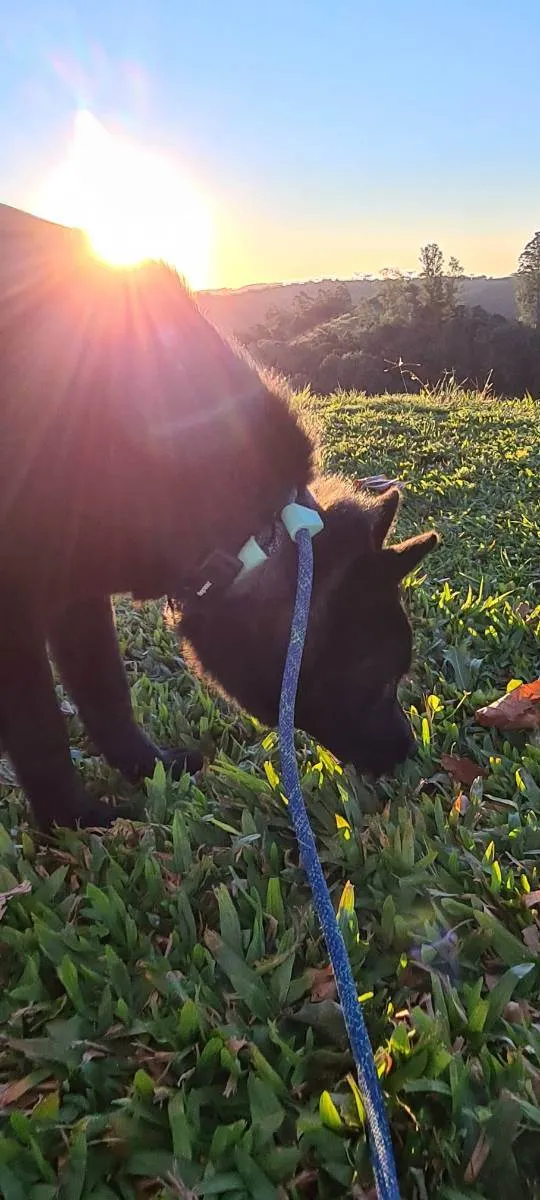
x=414 y=331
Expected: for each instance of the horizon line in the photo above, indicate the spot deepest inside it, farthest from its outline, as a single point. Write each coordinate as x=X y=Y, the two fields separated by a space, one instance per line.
x=367 y=278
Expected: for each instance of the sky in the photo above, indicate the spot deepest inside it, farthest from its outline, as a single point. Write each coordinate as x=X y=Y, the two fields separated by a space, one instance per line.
x=311 y=139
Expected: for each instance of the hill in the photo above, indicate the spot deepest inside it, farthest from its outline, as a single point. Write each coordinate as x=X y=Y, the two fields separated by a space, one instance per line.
x=235 y=310
x=169 y=1025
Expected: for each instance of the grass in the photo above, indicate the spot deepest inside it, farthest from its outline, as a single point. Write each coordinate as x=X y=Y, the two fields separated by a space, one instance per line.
x=169 y=1023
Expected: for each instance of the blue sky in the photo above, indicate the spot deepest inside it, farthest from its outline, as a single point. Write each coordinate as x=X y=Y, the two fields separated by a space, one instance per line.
x=329 y=139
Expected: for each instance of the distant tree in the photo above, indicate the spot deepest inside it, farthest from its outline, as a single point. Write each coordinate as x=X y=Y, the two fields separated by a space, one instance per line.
x=453 y=284
x=332 y=300
x=432 y=279
x=273 y=316
x=307 y=311
x=391 y=297
x=301 y=310
x=527 y=283
x=440 y=285
x=407 y=328
x=396 y=301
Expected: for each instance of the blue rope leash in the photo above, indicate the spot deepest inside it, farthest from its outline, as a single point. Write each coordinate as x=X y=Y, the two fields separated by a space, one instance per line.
x=381 y=1144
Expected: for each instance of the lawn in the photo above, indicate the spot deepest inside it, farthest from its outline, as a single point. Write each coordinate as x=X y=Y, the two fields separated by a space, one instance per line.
x=169 y=1023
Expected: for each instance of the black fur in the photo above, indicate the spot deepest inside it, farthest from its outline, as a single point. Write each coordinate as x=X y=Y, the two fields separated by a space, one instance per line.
x=134 y=441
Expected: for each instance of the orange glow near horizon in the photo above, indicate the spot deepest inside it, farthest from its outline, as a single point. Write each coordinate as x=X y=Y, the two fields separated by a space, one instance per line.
x=132 y=203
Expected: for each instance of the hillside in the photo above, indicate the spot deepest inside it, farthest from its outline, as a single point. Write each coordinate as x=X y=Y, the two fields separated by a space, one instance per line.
x=473 y=346
x=169 y=1025
x=237 y=310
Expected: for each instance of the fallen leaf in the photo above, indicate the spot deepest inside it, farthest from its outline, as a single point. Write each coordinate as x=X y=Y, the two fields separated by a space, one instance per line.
x=19 y=890
x=463 y=770
x=531 y=899
x=212 y=940
x=518 y=709
x=14 y=1090
x=93 y=1053
x=516 y=1010
x=323 y=984
x=304 y=1180
x=531 y=937
x=477 y=1159
x=377 y=483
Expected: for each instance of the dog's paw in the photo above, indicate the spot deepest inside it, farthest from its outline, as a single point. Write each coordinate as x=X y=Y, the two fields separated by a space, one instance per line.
x=98 y=814
x=82 y=812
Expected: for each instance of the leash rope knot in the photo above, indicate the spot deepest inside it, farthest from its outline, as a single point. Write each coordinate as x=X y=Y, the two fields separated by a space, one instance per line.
x=379 y=1132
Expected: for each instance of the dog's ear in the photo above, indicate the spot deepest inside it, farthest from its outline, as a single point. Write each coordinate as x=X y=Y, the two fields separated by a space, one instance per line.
x=403 y=558
x=383 y=515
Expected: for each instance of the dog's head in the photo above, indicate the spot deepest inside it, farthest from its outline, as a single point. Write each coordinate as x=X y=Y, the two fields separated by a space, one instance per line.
x=359 y=641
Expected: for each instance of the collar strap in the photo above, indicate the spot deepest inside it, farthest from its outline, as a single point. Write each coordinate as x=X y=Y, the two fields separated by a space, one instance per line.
x=221 y=571
x=293 y=517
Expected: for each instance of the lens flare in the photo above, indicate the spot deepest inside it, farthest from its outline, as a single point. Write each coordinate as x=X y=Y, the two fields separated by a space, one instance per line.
x=133 y=203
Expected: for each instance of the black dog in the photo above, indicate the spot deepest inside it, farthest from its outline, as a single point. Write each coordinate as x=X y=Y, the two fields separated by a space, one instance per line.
x=138 y=453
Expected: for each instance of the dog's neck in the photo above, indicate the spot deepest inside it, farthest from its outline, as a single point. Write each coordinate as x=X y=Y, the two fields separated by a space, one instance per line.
x=220 y=574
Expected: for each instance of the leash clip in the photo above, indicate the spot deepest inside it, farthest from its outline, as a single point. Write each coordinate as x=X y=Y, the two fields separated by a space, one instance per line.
x=296 y=517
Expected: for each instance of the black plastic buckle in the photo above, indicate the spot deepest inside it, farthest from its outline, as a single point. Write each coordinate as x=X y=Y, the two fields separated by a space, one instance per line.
x=218 y=570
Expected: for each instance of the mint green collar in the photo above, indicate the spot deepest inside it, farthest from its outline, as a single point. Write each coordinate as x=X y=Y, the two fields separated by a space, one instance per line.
x=294 y=517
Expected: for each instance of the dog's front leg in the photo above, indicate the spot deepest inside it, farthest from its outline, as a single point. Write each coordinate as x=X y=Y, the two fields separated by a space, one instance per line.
x=32 y=729
x=84 y=646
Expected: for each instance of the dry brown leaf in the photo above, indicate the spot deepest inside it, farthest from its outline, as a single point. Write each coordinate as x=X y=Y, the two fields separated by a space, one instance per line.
x=19 y=890
x=93 y=1053
x=516 y=1010
x=13 y=1091
x=463 y=770
x=304 y=1180
x=212 y=940
x=376 y=483
x=477 y=1159
x=519 y=709
x=323 y=984
x=531 y=899
x=531 y=937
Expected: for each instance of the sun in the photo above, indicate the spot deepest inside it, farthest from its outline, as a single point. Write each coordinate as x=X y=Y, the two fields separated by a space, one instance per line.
x=133 y=203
